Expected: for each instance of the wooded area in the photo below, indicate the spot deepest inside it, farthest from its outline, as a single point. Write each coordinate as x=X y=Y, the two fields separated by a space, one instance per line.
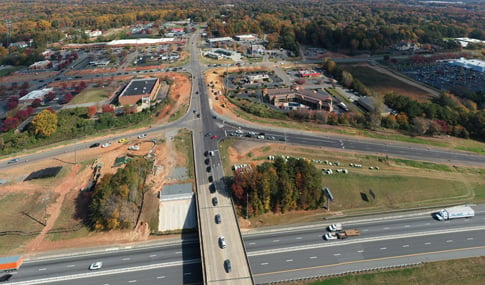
x=280 y=186
x=118 y=199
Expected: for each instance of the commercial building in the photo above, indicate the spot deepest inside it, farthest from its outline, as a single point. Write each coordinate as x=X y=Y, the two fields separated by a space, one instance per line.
x=33 y=95
x=246 y=38
x=309 y=73
x=473 y=64
x=126 y=42
x=283 y=97
x=144 y=89
x=223 y=40
x=41 y=65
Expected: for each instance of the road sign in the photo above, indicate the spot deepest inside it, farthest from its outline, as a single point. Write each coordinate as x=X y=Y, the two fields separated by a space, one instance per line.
x=328 y=193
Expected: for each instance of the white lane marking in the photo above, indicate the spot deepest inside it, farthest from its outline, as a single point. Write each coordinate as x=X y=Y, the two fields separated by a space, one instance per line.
x=427 y=243
x=70 y=265
x=252 y=243
x=427 y=224
x=469 y=239
x=336 y=254
x=128 y=247
x=366 y=230
x=160 y=277
x=178 y=252
x=313 y=257
x=264 y=263
x=126 y=258
x=188 y=273
x=153 y=255
x=42 y=269
x=289 y=260
x=276 y=240
x=450 y=240
x=132 y=281
x=299 y=238
x=406 y=245
x=360 y=251
x=386 y=228
x=383 y=248
x=407 y=226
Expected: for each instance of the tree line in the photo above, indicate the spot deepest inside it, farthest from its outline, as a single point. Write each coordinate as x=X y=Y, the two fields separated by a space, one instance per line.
x=280 y=186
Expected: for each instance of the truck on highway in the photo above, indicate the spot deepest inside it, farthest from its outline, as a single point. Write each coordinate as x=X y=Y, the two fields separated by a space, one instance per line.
x=348 y=233
x=455 y=212
x=10 y=263
x=342 y=234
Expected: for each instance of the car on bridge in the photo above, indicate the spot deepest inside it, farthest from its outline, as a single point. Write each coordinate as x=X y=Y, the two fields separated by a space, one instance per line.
x=222 y=242
x=218 y=219
x=227 y=265
x=214 y=201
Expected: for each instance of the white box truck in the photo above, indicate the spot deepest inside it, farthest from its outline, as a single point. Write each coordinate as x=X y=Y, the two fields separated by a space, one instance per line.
x=455 y=212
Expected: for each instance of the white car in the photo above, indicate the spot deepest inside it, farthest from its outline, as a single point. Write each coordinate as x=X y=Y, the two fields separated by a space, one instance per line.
x=106 y=145
x=96 y=265
x=142 y=136
x=330 y=236
x=134 y=147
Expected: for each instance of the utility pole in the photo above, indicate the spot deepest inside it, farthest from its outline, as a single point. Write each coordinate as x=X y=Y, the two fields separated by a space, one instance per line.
x=247 y=205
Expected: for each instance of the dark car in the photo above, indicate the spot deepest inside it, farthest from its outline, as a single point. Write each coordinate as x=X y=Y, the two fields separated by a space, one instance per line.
x=206 y=153
x=218 y=219
x=214 y=201
x=94 y=145
x=227 y=265
x=207 y=161
x=15 y=160
x=212 y=188
x=208 y=169
x=211 y=179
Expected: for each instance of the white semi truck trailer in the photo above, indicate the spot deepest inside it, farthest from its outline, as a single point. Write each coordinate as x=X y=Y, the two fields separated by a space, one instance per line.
x=455 y=212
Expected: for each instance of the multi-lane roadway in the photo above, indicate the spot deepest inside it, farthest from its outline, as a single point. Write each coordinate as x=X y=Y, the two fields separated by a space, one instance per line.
x=279 y=253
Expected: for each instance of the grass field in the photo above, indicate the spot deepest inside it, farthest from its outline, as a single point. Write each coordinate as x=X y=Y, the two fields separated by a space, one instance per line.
x=398 y=184
x=183 y=145
x=90 y=95
x=383 y=83
x=28 y=212
x=462 y=271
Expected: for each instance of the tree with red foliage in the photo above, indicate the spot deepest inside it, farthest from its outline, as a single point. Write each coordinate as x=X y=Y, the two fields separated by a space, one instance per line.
x=82 y=86
x=12 y=103
x=30 y=110
x=67 y=98
x=22 y=115
x=92 y=110
x=36 y=103
x=50 y=96
x=23 y=92
x=107 y=108
x=25 y=85
x=10 y=124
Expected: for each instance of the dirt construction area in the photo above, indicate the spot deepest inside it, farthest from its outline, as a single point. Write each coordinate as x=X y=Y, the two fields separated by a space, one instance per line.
x=47 y=214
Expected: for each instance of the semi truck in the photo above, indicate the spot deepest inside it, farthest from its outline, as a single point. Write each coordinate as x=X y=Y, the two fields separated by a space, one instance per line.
x=10 y=263
x=450 y=213
x=342 y=234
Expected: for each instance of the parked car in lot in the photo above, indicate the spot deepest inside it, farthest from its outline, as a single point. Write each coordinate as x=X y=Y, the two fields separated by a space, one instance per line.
x=123 y=140
x=214 y=137
x=106 y=145
x=134 y=147
x=96 y=265
x=142 y=136
x=94 y=145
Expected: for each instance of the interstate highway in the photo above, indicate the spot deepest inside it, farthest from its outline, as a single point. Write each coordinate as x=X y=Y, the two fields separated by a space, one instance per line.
x=284 y=252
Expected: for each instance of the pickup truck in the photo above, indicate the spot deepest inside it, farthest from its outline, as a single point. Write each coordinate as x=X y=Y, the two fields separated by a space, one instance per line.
x=342 y=234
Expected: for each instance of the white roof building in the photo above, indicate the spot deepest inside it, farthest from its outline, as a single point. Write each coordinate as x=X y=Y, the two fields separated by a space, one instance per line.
x=36 y=94
x=474 y=64
x=140 y=42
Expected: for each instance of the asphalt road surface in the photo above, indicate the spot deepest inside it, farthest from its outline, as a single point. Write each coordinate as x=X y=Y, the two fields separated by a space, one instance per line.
x=282 y=253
